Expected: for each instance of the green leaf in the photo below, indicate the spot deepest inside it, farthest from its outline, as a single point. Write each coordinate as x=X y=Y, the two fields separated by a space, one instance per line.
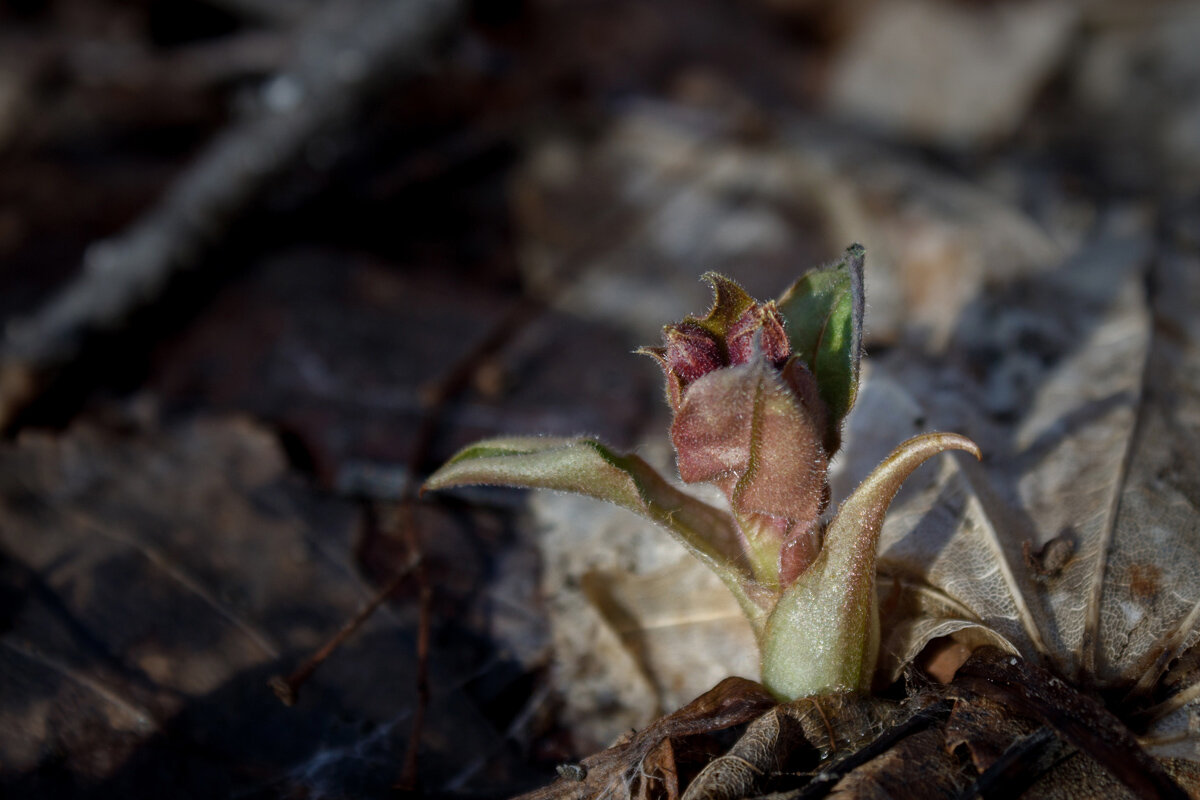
x=824 y=634
x=586 y=467
x=823 y=312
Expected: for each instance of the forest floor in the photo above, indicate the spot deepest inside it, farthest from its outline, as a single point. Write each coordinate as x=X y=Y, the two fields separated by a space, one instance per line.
x=264 y=265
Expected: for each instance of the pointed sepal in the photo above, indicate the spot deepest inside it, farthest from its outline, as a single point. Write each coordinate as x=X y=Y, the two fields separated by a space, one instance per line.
x=730 y=303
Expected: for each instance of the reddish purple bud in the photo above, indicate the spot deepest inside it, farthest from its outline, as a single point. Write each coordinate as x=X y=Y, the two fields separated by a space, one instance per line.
x=740 y=339
x=762 y=321
x=691 y=351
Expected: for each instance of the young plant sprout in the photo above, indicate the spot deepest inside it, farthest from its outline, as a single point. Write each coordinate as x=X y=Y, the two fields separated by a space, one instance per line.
x=759 y=392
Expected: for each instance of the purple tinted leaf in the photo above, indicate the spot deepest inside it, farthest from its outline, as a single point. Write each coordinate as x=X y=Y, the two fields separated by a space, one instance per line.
x=743 y=422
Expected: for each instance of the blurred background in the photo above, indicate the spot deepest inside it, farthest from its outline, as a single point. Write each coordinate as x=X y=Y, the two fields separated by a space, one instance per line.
x=264 y=264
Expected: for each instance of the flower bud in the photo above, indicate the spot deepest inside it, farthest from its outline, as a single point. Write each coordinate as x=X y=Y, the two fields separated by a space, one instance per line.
x=762 y=321
x=691 y=351
x=751 y=418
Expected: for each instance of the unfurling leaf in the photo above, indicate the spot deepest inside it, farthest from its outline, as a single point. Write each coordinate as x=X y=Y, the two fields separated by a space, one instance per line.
x=823 y=312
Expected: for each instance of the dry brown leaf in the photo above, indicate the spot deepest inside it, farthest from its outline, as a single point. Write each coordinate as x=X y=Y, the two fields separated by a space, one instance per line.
x=155 y=578
x=620 y=771
x=1104 y=468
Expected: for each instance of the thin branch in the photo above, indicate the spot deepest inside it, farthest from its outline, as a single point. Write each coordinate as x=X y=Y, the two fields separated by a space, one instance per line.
x=345 y=53
x=288 y=689
x=409 y=773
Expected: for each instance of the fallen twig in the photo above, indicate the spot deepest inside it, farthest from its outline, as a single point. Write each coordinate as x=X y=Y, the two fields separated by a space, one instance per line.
x=409 y=776
x=345 y=52
x=288 y=689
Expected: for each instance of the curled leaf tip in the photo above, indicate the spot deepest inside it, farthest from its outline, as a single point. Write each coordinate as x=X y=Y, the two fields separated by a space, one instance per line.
x=969 y=446
x=883 y=483
x=937 y=442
